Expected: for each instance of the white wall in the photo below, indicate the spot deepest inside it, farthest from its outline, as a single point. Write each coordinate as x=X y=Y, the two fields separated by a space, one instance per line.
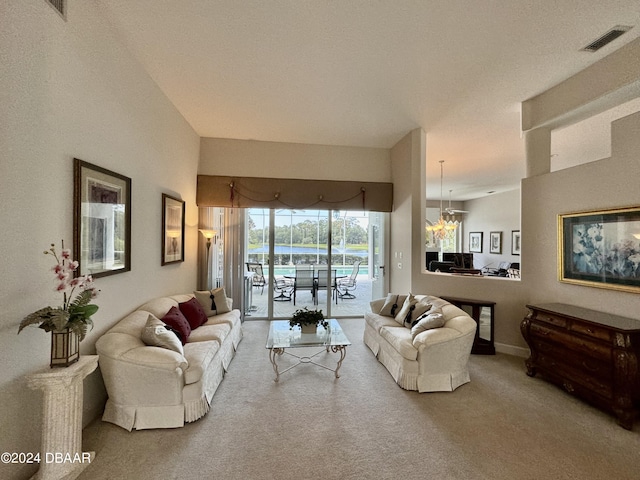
x=251 y=158
x=69 y=89
x=495 y=213
x=604 y=184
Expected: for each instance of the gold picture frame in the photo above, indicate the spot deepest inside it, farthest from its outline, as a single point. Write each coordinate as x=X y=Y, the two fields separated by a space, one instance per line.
x=600 y=248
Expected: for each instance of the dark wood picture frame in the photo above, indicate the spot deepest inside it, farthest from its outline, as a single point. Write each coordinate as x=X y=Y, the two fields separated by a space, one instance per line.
x=600 y=248
x=475 y=242
x=101 y=220
x=173 y=210
x=495 y=242
x=515 y=242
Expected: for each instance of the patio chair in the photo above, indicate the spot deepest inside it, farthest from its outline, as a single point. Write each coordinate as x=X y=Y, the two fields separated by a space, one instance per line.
x=258 y=275
x=283 y=287
x=323 y=280
x=303 y=281
x=346 y=286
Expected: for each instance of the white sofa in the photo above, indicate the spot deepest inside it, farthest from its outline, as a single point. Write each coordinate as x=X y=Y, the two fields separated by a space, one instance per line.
x=153 y=387
x=435 y=360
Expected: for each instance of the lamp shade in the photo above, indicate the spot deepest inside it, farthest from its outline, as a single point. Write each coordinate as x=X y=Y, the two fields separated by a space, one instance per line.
x=208 y=234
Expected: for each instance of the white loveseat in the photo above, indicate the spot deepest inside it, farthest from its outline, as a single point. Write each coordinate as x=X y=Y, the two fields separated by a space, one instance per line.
x=436 y=359
x=153 y=387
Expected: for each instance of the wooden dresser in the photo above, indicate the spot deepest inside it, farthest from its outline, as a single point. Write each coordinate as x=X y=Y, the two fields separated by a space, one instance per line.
x=592 y=355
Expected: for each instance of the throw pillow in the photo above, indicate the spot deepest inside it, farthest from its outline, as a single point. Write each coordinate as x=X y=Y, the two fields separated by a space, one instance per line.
x=427 y=321
x=404 y=315
x=156 y=334
x=392 y=305
x=175 y=319
x=220 y=298
x=213 y=302
x=420 y=308
x=193 y=312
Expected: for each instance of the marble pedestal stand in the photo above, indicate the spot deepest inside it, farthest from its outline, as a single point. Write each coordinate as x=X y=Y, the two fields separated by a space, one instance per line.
x=61 y=450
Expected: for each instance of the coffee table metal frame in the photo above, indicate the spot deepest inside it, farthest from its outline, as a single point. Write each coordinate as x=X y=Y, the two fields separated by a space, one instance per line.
x=282 y=337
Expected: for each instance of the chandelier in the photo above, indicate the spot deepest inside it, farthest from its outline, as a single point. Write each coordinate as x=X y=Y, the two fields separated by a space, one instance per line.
x=442 y=227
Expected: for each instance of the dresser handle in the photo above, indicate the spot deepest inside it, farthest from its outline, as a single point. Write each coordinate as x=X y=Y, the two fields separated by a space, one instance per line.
x=590 y=368
x=568 y=387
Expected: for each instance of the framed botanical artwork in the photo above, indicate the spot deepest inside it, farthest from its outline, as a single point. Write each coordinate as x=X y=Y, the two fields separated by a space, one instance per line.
x=101 y=220
x=515 y=242
x=600 y=248
x=495 y=242
x=172 y=229
x=475 y=242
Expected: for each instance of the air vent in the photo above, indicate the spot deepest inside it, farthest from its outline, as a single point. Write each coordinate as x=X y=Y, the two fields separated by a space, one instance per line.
x=607 y=38
x=60 y=7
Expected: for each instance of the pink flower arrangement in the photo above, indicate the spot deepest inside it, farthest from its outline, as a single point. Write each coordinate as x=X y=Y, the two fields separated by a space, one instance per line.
x=77 y=291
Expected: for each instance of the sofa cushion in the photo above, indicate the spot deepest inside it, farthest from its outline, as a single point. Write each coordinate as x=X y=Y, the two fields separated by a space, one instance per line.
x=377 y=321
x=156 y=334
x=199 y=355
x=392 y=305
x=431 y=319
x=193 y=312
x=400 y=339
x=175 y=319
x=213 y=302
x=210 y=331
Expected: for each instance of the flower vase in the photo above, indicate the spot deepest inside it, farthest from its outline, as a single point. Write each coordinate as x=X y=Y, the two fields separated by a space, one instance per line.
x=65 y=348
x=309 y=328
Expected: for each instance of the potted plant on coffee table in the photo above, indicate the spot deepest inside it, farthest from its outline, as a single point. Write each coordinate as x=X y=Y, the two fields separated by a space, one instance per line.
x=308 y=320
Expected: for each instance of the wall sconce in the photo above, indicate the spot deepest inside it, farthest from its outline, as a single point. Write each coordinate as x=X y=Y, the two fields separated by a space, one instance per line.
x=209 y=235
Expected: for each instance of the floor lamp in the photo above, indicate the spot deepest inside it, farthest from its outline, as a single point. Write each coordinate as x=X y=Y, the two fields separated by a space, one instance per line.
x=208 y=234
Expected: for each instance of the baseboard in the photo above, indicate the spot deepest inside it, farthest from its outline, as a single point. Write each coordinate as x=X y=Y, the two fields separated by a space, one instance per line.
x=511 y=350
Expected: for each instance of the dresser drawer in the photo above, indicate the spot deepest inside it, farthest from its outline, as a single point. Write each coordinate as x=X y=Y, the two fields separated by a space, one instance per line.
x=589 y=366
x=550 y=319
x=581 y=345
x=570 y=377
x=591 y=331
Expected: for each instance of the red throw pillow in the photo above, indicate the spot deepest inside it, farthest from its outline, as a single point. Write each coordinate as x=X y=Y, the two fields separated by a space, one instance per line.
x=175 y=319
x=193 y=312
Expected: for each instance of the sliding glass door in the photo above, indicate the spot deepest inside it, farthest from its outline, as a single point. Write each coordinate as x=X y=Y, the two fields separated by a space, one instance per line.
x=317 y=259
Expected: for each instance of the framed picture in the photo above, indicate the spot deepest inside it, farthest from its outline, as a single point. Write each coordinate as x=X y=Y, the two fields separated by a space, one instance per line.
x=495 y=242
x=475 y=242
x=101 y=220
x=600 y=249
x=515 y=242
x=172 y=229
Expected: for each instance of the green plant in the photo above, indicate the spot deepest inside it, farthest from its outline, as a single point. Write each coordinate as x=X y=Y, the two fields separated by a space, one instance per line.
x=308 y=317
x=75 y=312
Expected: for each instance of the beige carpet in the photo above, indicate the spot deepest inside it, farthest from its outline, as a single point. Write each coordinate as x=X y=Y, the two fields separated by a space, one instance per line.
x=502 y=425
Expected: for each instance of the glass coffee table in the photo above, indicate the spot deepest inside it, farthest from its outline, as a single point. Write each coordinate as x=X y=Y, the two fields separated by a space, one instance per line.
x=282 y=336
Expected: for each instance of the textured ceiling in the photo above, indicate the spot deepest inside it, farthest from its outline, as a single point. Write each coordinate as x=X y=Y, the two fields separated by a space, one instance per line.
x=364 y=72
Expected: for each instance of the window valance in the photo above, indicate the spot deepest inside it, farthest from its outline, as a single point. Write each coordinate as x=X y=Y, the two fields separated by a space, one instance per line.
x=253 y=192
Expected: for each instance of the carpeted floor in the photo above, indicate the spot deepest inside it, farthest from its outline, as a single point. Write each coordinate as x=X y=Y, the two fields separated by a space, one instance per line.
x=502 y=425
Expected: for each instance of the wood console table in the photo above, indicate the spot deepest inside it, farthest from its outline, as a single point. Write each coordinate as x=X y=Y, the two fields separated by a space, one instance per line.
x=483 y=342
x=592 y=355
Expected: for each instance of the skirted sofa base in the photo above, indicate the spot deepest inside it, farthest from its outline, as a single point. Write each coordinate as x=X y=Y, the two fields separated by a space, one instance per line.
x=153 y=387
x=436 y=360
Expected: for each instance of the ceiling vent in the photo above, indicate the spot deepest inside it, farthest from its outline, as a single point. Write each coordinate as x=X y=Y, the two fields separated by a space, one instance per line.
x=607 y=38
x=60 y=6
